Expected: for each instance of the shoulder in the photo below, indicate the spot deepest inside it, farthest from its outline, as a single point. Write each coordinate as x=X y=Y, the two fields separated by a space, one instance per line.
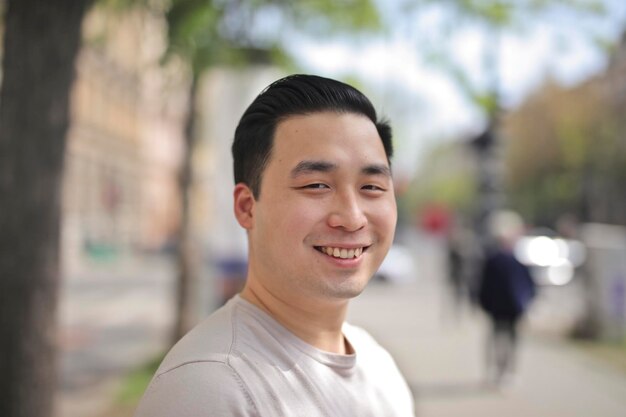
x=195 y=390
x=211 y=340
x=499 y=261
x=196 y=377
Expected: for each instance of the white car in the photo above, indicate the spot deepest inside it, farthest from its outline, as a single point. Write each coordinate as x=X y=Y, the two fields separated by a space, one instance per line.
x=552 y=261
x=398 y=266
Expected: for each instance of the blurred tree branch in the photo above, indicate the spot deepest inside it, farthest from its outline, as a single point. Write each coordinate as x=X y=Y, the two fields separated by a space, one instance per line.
x=494 y=19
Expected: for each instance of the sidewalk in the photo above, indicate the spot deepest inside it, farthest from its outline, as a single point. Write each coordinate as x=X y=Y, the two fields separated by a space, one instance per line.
x=442 y=358
x=113 y=318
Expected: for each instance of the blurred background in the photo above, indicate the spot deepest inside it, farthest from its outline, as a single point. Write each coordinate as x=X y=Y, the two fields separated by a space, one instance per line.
x=495 y=105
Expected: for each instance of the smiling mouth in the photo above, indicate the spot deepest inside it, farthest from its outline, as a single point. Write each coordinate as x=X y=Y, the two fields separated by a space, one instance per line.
x=342 y=253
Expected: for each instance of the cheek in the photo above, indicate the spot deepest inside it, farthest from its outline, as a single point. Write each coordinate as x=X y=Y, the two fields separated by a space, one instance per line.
x=293 y=220
x=301 y=218
x=385 y=217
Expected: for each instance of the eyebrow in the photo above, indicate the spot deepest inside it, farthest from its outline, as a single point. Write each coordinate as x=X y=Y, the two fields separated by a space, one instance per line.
x=308 y=167
x=377 y=169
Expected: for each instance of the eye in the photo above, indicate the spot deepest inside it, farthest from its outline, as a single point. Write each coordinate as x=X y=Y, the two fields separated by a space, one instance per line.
x=315 y=186
x=372 y=187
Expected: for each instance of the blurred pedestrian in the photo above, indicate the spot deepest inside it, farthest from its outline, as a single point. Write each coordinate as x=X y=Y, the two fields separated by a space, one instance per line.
x=505 y=292
x=456 y=284
x=463 y=256
x=315 y=195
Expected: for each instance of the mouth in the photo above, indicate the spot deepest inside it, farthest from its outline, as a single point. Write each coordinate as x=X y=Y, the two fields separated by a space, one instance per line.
x=342 y=253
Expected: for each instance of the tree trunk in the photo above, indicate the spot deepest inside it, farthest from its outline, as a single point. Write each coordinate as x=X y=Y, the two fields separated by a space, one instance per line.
x=186 y=250
x=41 y=41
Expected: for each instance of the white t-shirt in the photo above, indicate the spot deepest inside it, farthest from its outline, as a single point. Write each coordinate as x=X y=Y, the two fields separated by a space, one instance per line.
x=241 y=362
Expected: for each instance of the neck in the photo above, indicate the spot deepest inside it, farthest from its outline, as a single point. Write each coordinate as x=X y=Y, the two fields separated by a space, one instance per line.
x=317 y=323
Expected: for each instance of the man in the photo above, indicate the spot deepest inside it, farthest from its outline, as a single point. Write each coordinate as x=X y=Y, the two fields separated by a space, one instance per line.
x=314 y=193
x=505 y=293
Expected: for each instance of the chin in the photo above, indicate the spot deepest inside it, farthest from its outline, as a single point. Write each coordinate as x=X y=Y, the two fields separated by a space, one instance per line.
x=347 y=290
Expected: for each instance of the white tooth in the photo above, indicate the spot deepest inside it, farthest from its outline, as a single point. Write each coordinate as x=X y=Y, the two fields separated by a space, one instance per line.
x=351 y=253
x=329 y=251
x=358 y=252
x=336 y=253
x=344 y=253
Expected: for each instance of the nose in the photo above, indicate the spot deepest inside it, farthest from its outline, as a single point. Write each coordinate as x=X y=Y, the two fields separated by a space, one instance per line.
x=347 y=212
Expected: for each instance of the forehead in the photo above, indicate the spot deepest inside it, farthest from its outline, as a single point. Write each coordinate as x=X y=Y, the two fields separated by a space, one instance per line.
x=339 y=137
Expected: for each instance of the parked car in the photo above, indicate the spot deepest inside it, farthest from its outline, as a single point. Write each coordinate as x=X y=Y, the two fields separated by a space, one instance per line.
x=398 y=266
x=552 y=260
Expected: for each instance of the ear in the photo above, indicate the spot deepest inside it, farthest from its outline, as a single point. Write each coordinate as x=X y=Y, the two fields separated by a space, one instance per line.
x=244 y=205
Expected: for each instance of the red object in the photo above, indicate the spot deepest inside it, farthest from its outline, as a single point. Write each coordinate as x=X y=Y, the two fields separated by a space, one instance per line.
x=435 y=219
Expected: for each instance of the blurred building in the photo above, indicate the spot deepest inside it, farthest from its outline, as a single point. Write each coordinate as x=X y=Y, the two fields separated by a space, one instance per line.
x=124 y=146
x=224 y=95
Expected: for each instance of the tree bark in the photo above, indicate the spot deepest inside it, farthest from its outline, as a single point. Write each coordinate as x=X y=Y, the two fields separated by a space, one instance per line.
x=186 y=251
x=41 y=41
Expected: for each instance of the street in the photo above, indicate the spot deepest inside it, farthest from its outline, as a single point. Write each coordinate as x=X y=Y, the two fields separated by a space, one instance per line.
x=113 y=320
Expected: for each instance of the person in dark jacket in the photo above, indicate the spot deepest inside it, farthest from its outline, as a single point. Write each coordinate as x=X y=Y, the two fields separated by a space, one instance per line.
x=505 y=292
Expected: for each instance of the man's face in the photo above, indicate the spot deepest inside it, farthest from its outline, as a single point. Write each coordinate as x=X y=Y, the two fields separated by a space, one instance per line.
x=326 y=214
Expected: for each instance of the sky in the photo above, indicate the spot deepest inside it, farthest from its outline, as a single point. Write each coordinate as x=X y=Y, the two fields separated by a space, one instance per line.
x=423 y=103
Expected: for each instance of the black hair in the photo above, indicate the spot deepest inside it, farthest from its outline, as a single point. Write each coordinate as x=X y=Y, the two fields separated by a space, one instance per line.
x=297 y=94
